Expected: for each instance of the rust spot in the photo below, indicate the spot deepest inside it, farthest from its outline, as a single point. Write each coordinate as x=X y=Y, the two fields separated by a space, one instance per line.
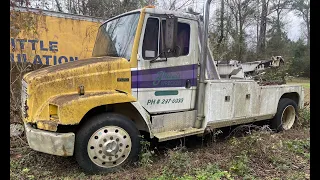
x=64 y=150
x=47 y=125
x=70 y=65
x=67 y=98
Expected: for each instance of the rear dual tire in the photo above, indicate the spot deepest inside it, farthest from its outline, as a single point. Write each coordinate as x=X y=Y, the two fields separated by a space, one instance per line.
x=285 y=116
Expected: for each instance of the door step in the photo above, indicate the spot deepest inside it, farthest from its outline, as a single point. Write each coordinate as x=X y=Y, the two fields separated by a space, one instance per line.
x=168 y=135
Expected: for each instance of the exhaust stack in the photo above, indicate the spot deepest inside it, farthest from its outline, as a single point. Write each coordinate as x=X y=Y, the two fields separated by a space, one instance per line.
x=203 y=61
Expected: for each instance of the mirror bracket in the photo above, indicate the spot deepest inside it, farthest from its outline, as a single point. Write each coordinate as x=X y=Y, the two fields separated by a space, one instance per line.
x=171 y=32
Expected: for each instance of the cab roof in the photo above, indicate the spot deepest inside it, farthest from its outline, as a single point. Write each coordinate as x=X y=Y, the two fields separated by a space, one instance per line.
x=159 y=11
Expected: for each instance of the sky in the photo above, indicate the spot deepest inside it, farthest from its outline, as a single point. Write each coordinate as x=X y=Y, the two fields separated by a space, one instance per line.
x=292 y=26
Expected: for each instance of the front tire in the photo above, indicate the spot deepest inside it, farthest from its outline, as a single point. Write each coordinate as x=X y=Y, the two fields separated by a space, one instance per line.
x=106 y=142
x=285 y=116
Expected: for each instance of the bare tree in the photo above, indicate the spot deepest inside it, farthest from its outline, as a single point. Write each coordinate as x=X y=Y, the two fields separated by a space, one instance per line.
x=302 y=9
x=58 y=5
x=261 y=43
x=19 y=3
x=242 y=11
x=176 y=4
x=279 y=6
x=221 y=37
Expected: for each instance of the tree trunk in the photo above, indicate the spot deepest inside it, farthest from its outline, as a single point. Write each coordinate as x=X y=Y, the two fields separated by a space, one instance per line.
x=278 y=25
x=221 y=23
x=58 y=6
x=263 y=29
x=84 y=8
x=308 y=27
x=240 y=34
x=257 y=32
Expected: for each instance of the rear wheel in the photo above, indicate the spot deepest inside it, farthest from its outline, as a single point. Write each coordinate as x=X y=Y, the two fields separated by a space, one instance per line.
x=106 y=142
x=285 y=116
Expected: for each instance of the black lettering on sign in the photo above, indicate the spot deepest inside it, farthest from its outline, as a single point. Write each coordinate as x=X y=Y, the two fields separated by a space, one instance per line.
x=122 y=79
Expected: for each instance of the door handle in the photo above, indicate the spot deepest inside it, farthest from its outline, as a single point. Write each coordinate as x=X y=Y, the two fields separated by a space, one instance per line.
x=188 y=83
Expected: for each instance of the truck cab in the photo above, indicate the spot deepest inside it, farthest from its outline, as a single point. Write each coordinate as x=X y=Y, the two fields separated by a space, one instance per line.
x=150 y=72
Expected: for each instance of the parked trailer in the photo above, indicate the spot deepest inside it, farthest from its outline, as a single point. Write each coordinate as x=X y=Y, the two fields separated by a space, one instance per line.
x=50 y=38
x=151 y=72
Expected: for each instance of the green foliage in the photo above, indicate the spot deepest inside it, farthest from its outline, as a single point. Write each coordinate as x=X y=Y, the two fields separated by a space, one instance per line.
x=277 y=42
x=278 y=160
x=304 y=117
x=276 y=75
x=25 y=170
x=239 y=165
x=179 y=162
x=177 y=165
x=210 y=172
x=145 y=154
x=300 y=61
x=298 y=175
x=300 y=147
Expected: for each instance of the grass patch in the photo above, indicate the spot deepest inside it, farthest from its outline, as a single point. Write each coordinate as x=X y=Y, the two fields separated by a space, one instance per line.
x=298 y=80
x=305 y=85
x=299 y=147
x=239 y=165
x=178 y=167
x=303 y=82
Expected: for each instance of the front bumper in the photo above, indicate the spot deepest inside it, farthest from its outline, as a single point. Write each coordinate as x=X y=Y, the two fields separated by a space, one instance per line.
x=60 y=144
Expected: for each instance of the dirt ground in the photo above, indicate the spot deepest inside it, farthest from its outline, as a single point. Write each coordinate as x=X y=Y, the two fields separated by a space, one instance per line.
x=245 y=154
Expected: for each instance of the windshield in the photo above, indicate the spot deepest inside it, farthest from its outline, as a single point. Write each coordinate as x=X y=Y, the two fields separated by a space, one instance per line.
x=115 y=38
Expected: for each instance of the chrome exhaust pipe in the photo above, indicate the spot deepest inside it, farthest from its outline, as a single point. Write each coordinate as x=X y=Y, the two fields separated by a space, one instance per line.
x=203 y=62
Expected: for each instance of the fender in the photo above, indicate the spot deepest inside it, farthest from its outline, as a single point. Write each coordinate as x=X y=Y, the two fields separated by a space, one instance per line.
x=271 y=95
x=144 y=114
x=71 y=108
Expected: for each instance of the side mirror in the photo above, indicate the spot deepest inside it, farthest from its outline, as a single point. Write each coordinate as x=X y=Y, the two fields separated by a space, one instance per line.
x=171 y=31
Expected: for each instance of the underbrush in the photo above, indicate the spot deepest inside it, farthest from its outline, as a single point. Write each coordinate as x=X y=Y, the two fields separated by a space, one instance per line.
x=304 y=118
x=179 y=167
x=259 y=154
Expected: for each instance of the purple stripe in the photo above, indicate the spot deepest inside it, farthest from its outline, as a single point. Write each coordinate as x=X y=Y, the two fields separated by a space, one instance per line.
x=176 y=76
x=150 y=77
x=167 y=69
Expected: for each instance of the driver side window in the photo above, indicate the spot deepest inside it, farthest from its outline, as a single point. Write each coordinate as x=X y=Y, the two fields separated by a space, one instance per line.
x=150 y=41
x=152 y=44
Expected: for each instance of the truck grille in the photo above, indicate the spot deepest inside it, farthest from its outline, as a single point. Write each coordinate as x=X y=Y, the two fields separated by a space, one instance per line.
x=24 y=97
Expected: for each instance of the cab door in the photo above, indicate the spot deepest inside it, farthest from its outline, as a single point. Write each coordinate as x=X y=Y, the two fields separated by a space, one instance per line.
x=166 y=84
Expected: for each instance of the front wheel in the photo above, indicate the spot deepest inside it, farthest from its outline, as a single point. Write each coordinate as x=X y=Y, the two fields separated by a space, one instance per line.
x=285 y=116
x=106 y=142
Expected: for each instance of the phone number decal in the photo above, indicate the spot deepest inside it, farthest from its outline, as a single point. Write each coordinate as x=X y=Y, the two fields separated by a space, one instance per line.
x=164 y=101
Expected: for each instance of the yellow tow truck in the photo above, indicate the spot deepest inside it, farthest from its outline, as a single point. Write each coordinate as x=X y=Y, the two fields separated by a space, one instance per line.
x=151 y=71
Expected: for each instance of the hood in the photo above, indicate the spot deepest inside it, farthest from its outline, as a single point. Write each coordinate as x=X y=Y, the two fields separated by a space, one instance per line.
x=95 y=64
x=96 y=74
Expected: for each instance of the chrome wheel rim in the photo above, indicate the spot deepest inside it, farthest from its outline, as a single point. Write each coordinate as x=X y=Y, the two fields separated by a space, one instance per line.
x=109 y=146
x=288 y=116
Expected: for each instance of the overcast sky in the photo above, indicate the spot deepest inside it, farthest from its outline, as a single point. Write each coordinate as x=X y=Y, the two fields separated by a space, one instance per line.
x=292 y=27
